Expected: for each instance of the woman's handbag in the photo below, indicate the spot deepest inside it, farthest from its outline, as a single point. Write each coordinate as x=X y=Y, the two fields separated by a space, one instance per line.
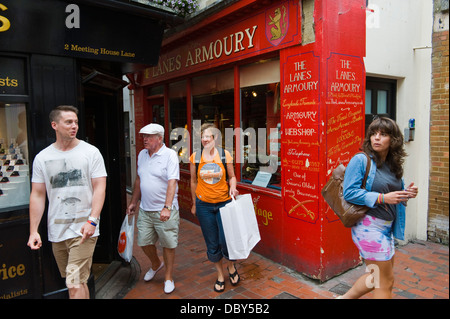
x=240 y=226
x=333 y=193
x=126 y=237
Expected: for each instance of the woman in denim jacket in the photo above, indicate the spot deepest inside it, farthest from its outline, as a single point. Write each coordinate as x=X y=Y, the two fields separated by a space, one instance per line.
x=374 y=234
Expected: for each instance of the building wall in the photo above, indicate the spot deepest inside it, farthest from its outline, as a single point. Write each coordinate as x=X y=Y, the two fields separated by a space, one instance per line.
x=438 y=226
x=405 y=55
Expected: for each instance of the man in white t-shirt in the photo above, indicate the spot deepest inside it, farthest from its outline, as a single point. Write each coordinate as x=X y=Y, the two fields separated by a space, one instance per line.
x=156 y=186
x=72 y=174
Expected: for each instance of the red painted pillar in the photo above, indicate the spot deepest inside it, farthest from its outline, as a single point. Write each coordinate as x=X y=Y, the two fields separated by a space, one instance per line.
x=322 y=98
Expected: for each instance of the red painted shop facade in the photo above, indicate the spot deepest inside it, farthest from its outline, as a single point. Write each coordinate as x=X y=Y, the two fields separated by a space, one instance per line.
x=289 y=113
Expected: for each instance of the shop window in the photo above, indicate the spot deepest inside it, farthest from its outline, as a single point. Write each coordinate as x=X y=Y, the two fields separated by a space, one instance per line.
x=14 y=165
x=380 y=98
x=260 y=109
x=155 y=105
x=178 y=128
x=213 y=102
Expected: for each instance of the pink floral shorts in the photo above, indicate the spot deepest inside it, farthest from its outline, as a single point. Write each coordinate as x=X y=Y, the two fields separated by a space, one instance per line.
x=373 y=238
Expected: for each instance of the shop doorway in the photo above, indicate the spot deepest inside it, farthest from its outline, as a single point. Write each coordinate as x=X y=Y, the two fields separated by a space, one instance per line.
x=103 y=118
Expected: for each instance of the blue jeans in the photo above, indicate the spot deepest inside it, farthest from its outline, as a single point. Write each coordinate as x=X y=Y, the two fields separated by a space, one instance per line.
x=208 y=215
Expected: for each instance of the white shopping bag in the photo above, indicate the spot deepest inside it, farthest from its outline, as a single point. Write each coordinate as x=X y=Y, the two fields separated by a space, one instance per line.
x=240 y=226
x=126 y=237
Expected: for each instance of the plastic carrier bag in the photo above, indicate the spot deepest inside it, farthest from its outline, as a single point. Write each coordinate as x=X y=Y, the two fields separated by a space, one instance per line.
x=126 y=237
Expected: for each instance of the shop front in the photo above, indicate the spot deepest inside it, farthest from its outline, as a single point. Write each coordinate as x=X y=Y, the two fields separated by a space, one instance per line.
x=284 y=82
x=51 y=53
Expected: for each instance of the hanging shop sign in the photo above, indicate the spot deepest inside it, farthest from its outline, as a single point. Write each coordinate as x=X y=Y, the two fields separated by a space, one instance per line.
x=271 y=29
x=59 y=28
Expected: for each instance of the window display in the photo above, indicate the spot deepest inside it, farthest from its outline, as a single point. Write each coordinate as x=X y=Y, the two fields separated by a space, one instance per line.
x=213 y=100
x=260 y=109
x=14 y=165
x=261 y=126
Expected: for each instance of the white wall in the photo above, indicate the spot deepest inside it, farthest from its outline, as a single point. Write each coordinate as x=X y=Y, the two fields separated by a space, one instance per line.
x=399 y=47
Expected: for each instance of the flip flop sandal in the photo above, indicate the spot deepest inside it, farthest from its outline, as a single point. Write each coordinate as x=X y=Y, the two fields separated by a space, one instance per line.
x=233 y=276
x=220 y=284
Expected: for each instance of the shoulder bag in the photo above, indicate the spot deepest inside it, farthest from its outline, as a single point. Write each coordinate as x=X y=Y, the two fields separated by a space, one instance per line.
x=333 y=193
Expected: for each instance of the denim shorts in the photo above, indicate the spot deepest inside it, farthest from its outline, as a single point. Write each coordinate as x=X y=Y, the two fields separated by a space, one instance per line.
x=151 y=228
x=208 y=215
x=374 y=239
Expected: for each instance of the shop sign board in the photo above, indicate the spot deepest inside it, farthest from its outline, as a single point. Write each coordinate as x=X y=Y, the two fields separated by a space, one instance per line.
x=301 y=127
x=345 y=95
x=307 y=127
x=273 y=28
x=12 y=76
x=55 y=27
x=16 y=267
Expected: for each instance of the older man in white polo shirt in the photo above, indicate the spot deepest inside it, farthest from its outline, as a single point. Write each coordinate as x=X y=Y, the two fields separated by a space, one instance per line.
x=156 y=186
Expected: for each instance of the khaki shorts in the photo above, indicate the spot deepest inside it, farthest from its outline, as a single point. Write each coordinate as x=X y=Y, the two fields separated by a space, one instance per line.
x=151 y=228
x=74 y=260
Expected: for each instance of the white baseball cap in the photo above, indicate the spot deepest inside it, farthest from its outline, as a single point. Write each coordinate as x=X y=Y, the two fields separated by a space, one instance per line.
x=152 y=128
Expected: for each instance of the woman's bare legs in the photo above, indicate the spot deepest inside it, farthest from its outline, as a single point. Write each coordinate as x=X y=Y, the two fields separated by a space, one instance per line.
x=380 y=279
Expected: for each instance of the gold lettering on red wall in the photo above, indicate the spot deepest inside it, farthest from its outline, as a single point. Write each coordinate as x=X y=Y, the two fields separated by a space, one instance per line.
x=300 y=141
x=345 y=111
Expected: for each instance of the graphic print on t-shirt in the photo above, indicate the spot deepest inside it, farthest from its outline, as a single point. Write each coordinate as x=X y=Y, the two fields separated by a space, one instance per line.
x=68 y=185
x=63 y=174
x=211 y=173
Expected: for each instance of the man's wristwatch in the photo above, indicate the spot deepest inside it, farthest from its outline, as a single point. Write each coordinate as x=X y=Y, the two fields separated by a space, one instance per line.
x=168 y=207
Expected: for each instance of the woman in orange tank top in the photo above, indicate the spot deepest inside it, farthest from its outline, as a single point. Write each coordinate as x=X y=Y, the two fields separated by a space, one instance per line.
x=210 y=192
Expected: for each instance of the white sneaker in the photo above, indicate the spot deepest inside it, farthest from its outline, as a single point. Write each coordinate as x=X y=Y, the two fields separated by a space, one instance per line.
x=151 y=273
x=169 y=286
